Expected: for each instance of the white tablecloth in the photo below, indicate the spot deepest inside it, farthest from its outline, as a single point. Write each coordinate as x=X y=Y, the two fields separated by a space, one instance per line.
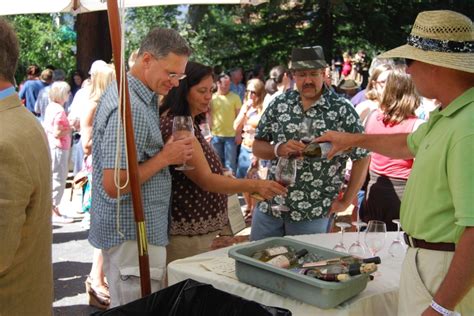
x=379 y=298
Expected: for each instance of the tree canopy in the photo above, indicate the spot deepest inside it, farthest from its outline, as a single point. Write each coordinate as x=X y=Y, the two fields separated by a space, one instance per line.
x=243 y=35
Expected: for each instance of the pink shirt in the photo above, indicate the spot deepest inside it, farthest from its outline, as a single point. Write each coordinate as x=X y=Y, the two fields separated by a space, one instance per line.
x=383 y=165
x=55 y=116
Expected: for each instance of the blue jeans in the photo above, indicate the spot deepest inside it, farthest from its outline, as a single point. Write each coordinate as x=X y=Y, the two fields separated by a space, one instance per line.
x=264 y=225
x=243 y=165
x=226 y=150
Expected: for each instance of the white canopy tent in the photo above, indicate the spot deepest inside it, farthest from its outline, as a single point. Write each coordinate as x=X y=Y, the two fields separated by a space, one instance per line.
x=80 y=6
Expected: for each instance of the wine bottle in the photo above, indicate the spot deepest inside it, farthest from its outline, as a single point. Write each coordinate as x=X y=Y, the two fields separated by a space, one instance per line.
x=336 y=273
x=268 y=253
x=288 y=259
x=320 y=150
x=342 y=260
x=331 y=277
x=351 y=269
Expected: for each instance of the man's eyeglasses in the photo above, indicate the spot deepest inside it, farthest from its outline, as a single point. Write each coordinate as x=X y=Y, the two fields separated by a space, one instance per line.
x=172 y=75
x=311 y=74
x=252 y=91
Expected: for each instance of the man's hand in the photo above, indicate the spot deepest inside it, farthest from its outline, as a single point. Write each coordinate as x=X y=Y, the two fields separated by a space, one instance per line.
x=290 y=147
x=340 y=141
x=176 y=152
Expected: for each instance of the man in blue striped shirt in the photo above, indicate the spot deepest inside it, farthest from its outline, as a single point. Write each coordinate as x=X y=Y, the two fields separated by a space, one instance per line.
x=160 y=65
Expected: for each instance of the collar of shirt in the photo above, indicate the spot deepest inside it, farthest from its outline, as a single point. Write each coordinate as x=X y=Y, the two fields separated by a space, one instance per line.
x=460 y=102
x=7 y=92
x=145 y=94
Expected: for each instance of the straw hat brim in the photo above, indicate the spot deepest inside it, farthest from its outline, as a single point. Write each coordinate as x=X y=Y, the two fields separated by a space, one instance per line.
x=459 y=61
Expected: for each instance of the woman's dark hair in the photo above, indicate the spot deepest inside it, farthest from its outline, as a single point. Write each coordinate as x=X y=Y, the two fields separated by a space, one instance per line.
x=176 y=101
x=276 y=77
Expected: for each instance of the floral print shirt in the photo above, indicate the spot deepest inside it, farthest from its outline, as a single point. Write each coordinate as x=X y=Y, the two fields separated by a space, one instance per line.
x=318 y=180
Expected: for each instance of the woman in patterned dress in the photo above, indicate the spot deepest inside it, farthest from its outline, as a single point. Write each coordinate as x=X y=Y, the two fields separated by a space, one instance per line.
x=199 y=197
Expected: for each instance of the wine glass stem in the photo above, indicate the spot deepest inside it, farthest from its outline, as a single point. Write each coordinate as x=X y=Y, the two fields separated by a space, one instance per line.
x=342 y=235
x=358 y=231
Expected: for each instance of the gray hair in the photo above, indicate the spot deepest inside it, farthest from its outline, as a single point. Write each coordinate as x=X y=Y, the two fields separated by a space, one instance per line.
x=9 y=51
x=160 y=42
x=59 y=91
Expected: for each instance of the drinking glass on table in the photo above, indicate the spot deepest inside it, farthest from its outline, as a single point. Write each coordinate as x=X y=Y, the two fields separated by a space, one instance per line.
x=285 y=174
x=340 y=245
x=375 y=235
x=357 y=249
x=183 y=126
x=397 y=249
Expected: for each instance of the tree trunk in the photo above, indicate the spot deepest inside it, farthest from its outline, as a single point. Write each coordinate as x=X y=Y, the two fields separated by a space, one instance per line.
x=93 y=39
x=327 y=28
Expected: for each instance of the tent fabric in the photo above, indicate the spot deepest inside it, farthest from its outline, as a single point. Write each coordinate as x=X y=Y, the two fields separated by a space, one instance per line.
x=53 y=6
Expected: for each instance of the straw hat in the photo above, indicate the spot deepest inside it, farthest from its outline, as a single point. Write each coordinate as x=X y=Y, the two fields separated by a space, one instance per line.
x=307 y=58
x=443 y=38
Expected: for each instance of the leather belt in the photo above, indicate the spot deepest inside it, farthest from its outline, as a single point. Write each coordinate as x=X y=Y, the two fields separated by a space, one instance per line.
x=420 y=243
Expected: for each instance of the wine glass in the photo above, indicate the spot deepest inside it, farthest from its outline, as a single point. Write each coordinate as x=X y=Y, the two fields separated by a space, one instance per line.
x=397 y=249
x=375 y=235
x=285 y=174
x=183 y=126
x=357 y=249
x=340 y=245
x=306 y=131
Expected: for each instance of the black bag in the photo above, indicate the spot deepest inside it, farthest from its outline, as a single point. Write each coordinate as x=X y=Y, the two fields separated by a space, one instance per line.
x=191 y=298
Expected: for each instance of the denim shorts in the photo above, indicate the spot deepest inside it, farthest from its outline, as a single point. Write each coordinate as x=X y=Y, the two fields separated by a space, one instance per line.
x=264 y=225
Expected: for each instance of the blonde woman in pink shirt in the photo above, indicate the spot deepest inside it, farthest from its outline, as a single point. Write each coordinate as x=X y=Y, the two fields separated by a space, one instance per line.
x=388 y=176
x=58 y=131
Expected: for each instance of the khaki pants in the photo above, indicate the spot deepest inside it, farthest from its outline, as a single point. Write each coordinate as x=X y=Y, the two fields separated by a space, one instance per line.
x=423 y=272
x=186 y=246
x=122 y=271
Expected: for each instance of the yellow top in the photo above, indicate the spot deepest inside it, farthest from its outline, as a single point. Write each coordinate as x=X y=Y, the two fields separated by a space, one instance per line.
x=224 y=109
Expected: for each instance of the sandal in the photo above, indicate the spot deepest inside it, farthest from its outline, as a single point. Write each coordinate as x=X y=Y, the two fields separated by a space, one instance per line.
x=98 y=297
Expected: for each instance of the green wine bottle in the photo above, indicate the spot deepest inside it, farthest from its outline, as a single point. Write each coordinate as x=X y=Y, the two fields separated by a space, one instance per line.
x=320 y=150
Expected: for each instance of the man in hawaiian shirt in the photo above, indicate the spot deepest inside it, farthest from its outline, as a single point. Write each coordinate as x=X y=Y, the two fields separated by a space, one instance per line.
x=314 y=196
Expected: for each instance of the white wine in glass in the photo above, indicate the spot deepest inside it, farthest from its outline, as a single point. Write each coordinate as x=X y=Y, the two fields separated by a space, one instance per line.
x=183 y=126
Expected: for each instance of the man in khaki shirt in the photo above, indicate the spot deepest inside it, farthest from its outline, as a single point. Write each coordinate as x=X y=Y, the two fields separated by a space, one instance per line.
x=26 y=278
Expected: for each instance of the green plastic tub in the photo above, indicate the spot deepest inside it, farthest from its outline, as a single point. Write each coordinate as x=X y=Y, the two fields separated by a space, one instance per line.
x=313 y=291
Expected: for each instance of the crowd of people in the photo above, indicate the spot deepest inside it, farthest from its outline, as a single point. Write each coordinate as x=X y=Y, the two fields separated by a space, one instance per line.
x=397 y=161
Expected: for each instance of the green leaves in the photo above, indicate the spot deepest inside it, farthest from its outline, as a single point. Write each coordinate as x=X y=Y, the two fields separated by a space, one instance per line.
x=44 y=39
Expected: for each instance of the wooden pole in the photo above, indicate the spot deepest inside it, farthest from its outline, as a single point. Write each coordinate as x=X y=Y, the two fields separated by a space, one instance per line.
x=144 y=264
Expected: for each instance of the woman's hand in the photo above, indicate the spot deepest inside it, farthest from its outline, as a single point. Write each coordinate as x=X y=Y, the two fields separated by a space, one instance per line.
x=267 y=189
